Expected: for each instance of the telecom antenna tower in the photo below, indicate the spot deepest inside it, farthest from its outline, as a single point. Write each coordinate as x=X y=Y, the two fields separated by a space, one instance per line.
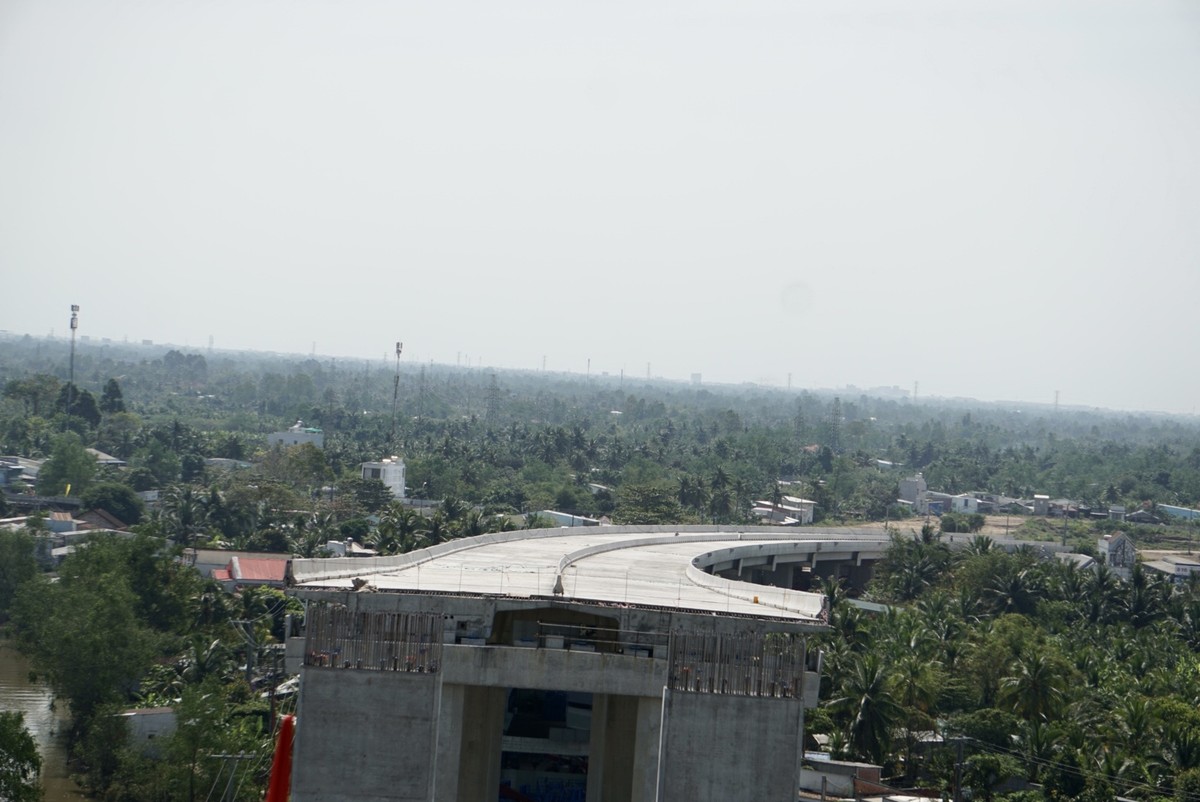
x=71 y=381
x=395 y=393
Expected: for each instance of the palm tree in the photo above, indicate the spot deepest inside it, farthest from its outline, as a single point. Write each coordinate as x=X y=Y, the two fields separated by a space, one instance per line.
x=834 y=590
x=472 y=524
x=1068 y=582
x=452 y=509
x=1012 y=591
x=1145 y=601
x=1181 y=746
x=436 y=528
x=721 y=504
x=720 y=479
x=205 y=659
x=1102 y=593
x=1036 y=690
x=183 y=513
x=215 y=513
x=161 y=685
x=916 y=682
x=384 y=538
x=1040 y=741
x=916 y=574
x=870 y=708
x=979 y=545
x=945 y=628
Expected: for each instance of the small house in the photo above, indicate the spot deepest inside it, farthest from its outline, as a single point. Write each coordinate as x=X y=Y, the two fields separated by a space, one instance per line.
x=1118 y=553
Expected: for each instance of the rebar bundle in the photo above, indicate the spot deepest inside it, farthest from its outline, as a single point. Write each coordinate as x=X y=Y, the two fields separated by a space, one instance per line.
x=339 y=638
x=744 y=665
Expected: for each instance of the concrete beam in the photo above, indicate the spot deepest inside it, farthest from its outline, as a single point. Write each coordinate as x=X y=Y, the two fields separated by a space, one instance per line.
x=557 y=669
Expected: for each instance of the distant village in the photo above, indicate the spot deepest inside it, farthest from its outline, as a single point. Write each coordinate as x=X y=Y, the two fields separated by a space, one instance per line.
x=67 y=525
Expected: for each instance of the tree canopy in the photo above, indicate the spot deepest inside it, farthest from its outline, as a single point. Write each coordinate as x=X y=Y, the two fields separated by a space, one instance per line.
x=69 y=468
x=20 y=762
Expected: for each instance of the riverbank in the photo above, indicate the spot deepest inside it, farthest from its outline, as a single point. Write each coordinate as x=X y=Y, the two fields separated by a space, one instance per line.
x=46 y=721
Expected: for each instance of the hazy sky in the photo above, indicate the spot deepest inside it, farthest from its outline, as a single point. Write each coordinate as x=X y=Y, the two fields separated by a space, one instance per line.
x=995 y=199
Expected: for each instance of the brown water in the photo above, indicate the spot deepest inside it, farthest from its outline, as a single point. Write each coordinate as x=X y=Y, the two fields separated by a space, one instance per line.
x=45 y=720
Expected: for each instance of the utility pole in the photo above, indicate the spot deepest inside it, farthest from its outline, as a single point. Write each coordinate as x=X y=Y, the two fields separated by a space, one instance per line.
x=958 y=772
x=71 y=381
x=421 y=396
x=247 y=628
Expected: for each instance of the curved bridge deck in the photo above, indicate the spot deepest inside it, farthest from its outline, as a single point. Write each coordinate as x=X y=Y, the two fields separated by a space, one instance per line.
x=666 y=567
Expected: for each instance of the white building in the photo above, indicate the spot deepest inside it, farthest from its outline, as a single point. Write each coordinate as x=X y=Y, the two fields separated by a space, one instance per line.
x=1118 y=553
x=965 y=503
x=566 y=518
x=298 y=434
x=791 y=511
x=149 y=728
x=1175 y=567
x=390 y=471
x=913 y=488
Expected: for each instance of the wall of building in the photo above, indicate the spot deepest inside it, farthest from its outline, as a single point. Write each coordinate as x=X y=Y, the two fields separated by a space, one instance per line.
x=718 y=747
x=1185 y=513
x=296 y=438
x=365 y=736
x=390 y=471
x=836 y=777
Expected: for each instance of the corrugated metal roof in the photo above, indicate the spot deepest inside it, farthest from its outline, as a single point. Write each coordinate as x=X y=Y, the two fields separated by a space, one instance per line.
x=258 y=569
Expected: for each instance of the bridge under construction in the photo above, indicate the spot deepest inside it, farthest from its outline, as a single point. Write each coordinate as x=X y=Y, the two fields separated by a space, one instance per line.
x=590 y=663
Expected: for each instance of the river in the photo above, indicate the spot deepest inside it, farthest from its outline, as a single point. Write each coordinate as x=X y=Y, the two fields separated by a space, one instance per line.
x=46 y=721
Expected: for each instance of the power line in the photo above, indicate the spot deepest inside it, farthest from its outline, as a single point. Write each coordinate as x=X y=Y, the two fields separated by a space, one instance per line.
x=1077 y=771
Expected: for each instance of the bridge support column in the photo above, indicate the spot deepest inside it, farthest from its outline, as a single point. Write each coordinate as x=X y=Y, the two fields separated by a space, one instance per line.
x=621 y=742
x=480 y=743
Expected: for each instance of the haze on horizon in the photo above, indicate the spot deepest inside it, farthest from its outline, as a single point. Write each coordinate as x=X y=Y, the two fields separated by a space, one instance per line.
x=998 y=199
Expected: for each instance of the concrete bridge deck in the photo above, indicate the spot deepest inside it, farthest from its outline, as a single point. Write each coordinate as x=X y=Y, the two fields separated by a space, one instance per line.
x=665 y=567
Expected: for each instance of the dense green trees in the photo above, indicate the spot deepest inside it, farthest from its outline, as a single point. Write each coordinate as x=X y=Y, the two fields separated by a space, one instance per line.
x=115 y=498
x=1088 y=682
x=20 y=763
x=78 y=404
x=35 y=392
x=1049 y=673
x=17 y=565
x=69 y=468
x=515 y=444
x=127 y=623
x=84 y=632
x=112 y=401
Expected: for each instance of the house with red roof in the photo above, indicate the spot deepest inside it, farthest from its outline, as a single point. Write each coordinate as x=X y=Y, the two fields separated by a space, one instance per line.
x=245 y=571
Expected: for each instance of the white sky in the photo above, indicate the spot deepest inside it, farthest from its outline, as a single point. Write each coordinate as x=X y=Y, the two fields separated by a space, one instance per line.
x=998 y=199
